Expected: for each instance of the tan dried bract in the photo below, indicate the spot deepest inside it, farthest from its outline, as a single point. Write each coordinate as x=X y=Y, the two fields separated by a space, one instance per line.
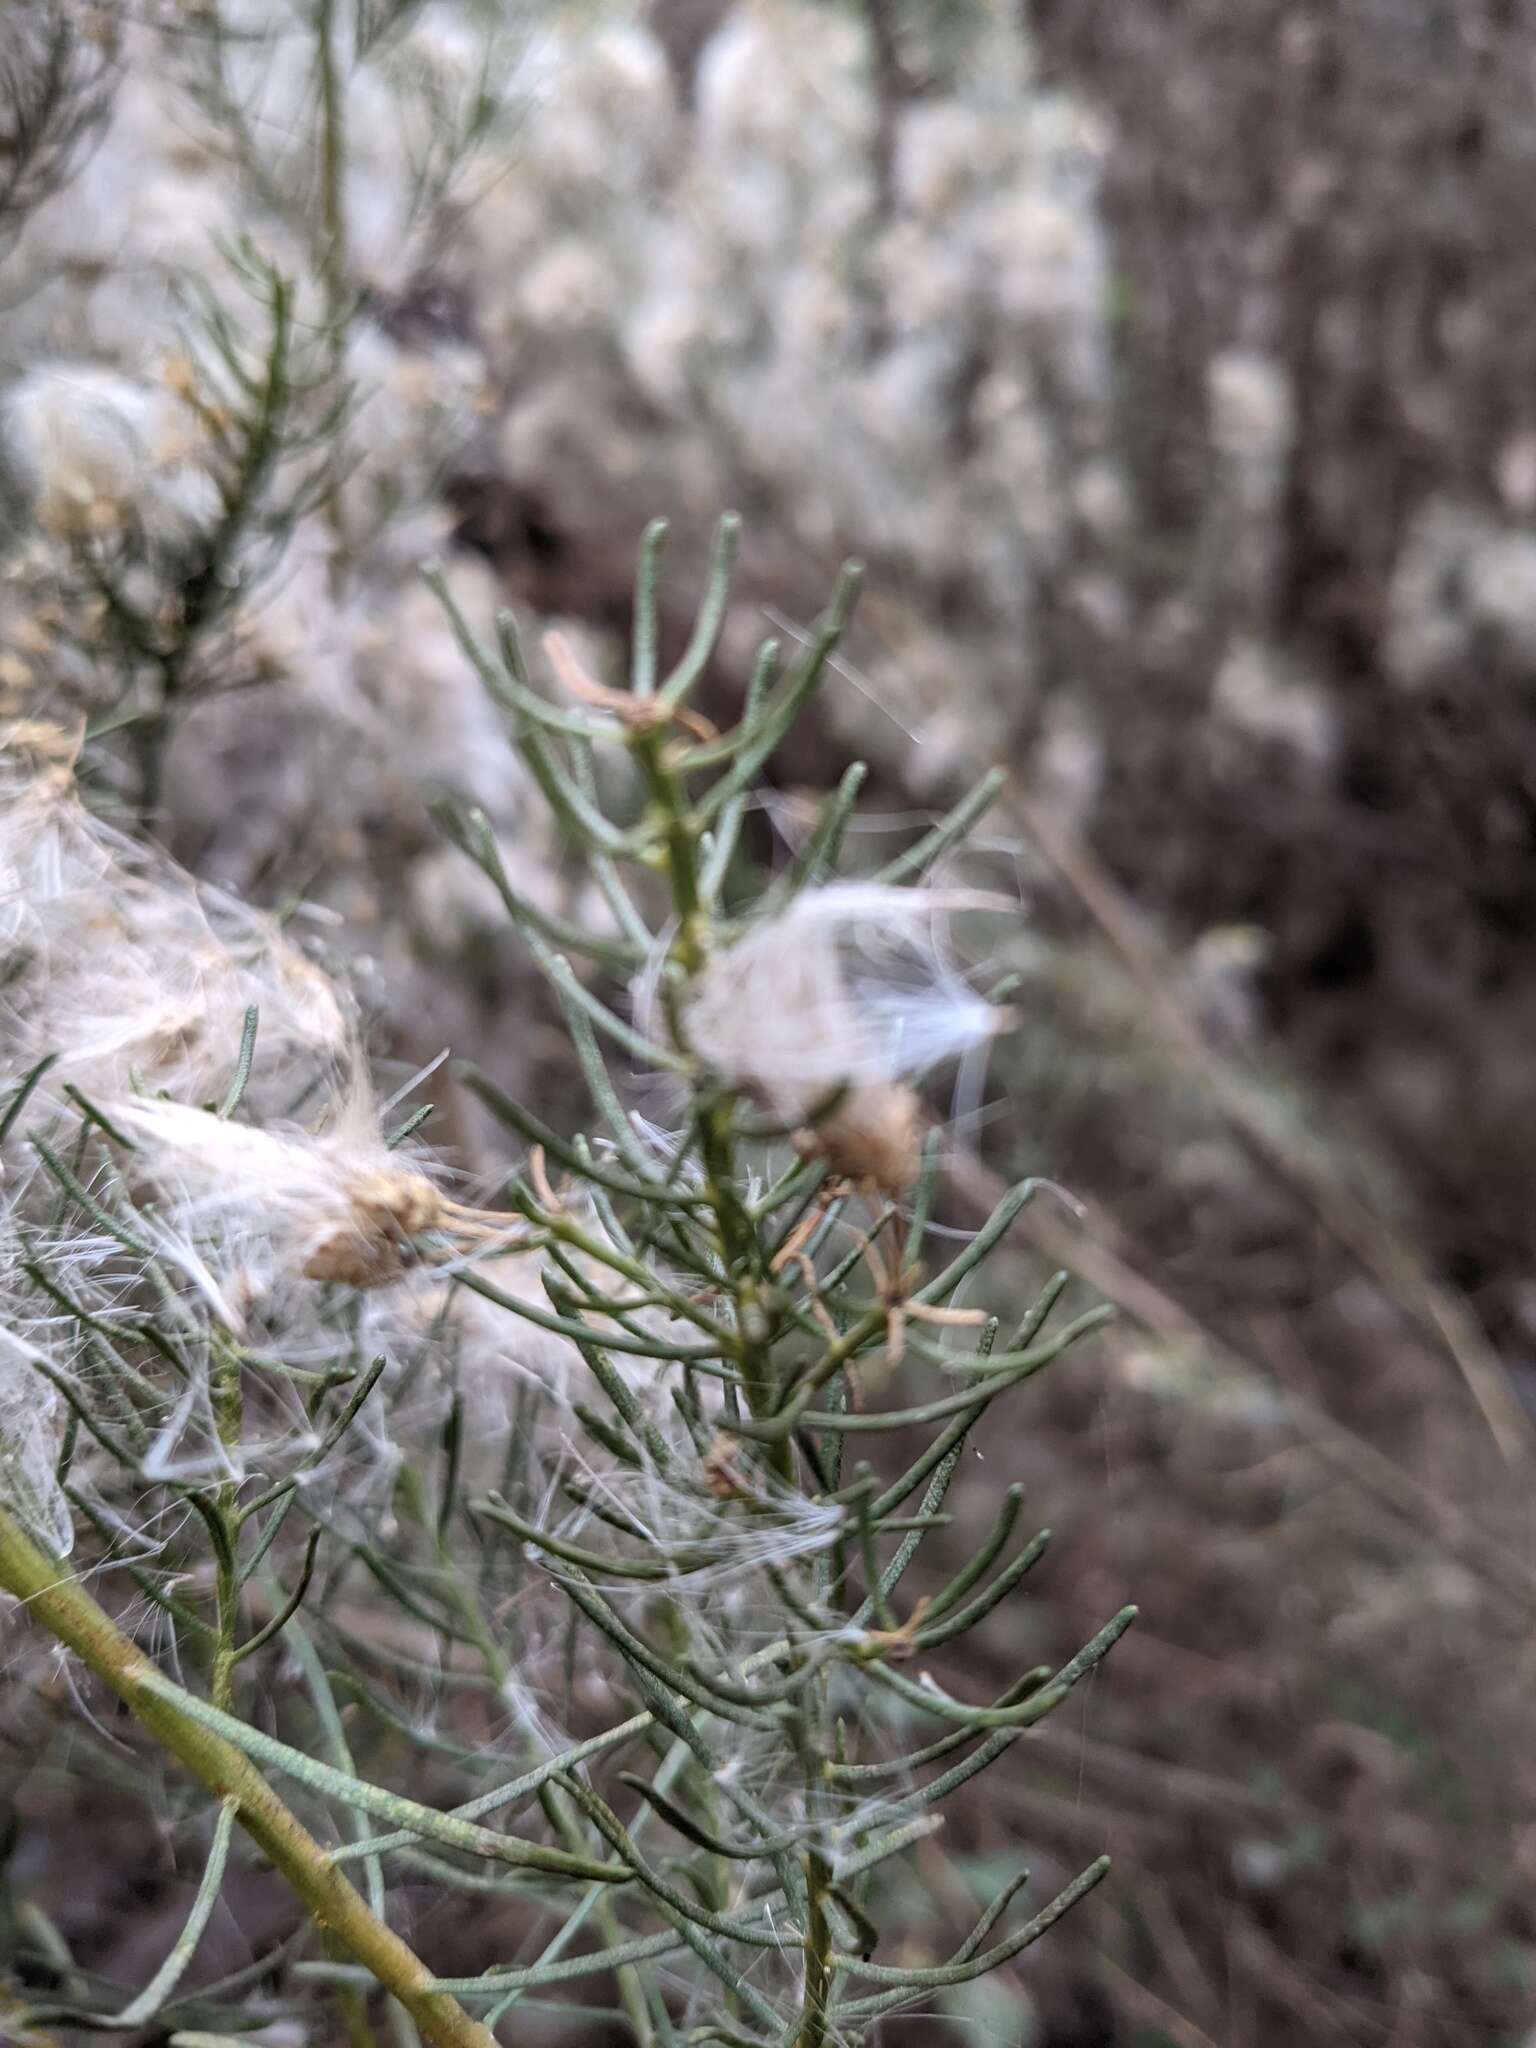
x=874 y=1137
x=386 y=1211
x=723 y=1474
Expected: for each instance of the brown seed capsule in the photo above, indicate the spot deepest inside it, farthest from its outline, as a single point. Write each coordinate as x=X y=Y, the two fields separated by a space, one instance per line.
x=386 y=1209
x=723 y=1475
x=875 y=1136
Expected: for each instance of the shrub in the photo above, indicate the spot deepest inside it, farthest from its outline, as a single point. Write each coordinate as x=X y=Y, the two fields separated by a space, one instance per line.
x=547 y=1503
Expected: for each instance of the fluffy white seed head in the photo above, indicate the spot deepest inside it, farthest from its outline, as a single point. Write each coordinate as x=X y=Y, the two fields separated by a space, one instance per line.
x=337 y=1207
x=130 y=977
x=849 y=988
x=850 y=985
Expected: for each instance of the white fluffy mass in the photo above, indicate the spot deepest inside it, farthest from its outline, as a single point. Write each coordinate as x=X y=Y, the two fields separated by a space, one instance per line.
x=136 y=1175
x=850 y=984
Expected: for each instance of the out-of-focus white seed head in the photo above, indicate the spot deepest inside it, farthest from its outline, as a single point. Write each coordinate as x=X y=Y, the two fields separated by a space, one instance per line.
x=99 y=449
x=130 y=976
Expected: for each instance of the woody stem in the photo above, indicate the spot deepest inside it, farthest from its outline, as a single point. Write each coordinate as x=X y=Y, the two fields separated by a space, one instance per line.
x=55 y=1600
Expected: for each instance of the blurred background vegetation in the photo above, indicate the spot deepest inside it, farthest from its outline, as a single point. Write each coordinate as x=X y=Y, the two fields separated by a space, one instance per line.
x=1170 y=364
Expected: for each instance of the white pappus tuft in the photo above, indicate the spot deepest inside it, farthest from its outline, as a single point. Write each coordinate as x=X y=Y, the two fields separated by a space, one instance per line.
x=130 y=977
x=337 y=1206
x=851 y=987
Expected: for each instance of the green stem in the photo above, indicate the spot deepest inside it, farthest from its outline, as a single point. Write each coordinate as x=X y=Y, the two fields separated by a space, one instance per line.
x=818 y=1954
x=60 y=1605
x=151 y=740
x=744 y=1256
x=680 y=836
x=459 y=1595
x=812 y=1741
x=205 y=593
x=228 y=1408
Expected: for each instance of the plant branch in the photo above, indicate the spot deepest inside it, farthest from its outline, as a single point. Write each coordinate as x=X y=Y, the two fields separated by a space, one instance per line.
x=59 y=1604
